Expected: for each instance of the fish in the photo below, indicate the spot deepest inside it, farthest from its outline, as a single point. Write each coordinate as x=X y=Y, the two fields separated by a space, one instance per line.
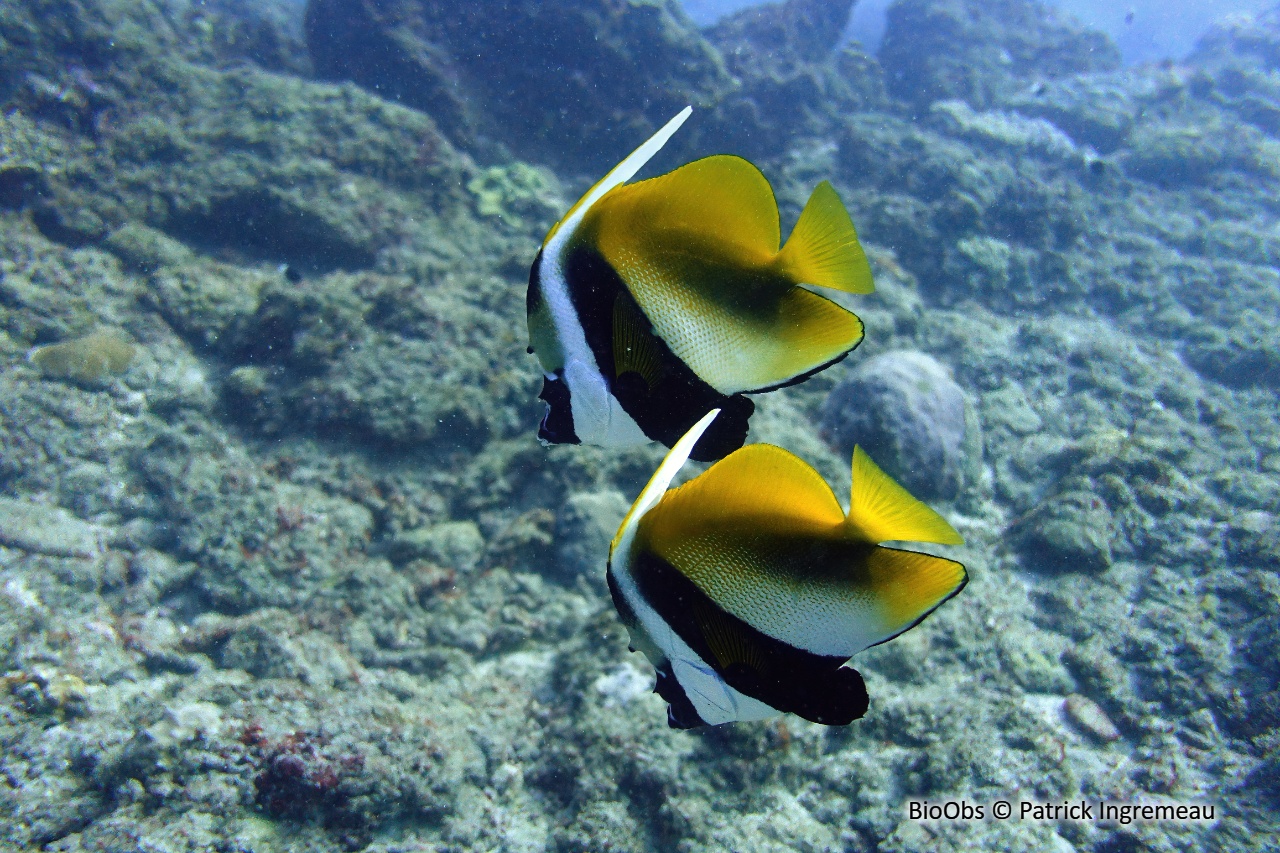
x=651 y=303
x=749 y=588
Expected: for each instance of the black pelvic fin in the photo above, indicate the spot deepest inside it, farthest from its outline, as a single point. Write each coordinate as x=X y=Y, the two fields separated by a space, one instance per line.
x=557 y=423
x=680 y=711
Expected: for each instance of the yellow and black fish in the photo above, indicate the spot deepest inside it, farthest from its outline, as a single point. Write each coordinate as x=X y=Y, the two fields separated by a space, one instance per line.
x=652 y=303
x=749 y=588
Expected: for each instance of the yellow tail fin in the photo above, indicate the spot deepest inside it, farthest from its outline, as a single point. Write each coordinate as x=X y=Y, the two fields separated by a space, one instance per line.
x=880 y=510
x=823 y=249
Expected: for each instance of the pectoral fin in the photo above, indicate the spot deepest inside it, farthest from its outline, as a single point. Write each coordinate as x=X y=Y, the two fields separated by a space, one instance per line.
x=634 y=349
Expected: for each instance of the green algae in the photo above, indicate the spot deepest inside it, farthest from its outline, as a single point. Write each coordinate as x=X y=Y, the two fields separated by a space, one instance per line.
x=91 y=359
x=518 y=194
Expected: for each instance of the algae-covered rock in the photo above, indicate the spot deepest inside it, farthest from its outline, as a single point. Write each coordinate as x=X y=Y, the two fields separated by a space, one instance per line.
x=1253 y=539
x=457 y=545
x=911 y=417
x=1175 y=154
x=1092 y=109
x=209 y=304
x=792 y=78
x=257 y=541
x=568 y=81
x=921 y=191
x=47 y=530
x=1029 y=136
x=981 y=51
x=146 y=250
x=1238 y=58
x=1035 y=667
x=91 y=359
x=268 y=34
x=1069 y=532
x=585 y=525
x=1242 y=37
x=991 y=265
x=1244 y=354
x=27 y=154
x=237 y=161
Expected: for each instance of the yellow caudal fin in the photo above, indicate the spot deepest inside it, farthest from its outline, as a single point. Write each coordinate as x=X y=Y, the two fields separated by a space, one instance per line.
x=823 y=249
x=880 y=510
x=907 y=586
x=757 y=490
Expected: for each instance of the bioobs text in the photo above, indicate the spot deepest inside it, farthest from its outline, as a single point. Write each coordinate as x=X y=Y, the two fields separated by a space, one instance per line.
x=950 y=810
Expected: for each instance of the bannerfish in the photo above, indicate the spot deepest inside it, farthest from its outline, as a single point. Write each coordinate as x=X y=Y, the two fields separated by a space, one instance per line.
x=652 y=303
x=749 y=588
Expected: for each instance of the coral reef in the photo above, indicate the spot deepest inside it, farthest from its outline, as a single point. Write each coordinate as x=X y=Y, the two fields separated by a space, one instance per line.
x=300 y=578
x=980 y=51
x=791 y=75
x=608 y=69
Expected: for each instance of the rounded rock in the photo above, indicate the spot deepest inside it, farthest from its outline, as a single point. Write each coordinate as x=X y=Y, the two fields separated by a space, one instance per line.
x=904 y=409
x=585 y=524
x=1088 y=717
x=1069 y=532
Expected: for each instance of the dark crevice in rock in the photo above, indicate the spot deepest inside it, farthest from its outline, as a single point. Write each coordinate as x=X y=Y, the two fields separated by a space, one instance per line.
x=263 y=226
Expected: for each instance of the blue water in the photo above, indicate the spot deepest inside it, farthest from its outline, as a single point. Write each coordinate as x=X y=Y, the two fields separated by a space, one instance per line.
x=1145 y=30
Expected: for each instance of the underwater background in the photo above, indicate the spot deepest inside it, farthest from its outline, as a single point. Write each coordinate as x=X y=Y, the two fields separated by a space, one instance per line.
x=283 y=566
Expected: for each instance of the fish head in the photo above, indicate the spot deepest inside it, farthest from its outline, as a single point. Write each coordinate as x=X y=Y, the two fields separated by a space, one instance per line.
x=544 y=337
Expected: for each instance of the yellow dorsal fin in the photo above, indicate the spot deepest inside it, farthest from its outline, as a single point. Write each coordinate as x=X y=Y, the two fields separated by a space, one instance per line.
x=621 y=173
x=880 y=510
x=634 y=348
x=823 y=248
x=759 y=489
x=908 y=585
x=719 y=207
